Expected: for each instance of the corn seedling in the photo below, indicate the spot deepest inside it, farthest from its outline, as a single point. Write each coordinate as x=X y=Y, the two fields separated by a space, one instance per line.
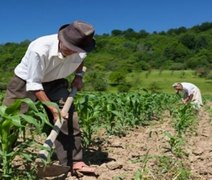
x=118 y=111
x=184 y=118
x=88 y=112
x=176 y=144
x=138 y=175
x=167 y=166
x=13 y=123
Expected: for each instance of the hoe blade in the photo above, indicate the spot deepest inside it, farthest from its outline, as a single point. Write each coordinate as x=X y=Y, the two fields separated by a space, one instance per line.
x=52 y=170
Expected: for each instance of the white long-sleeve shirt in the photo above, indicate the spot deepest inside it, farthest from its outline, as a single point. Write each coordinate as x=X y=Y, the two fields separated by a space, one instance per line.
x=191 y=89
x=43 y=62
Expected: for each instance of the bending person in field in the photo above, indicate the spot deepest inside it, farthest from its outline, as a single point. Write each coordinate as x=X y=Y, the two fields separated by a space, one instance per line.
x=41 y=75
x=191 y=93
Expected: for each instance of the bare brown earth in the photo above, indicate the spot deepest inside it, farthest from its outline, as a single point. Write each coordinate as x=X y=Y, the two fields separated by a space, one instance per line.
x=121 y=158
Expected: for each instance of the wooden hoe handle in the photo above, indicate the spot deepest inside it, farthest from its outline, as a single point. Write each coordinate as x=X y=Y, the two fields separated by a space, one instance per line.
x=43 y=154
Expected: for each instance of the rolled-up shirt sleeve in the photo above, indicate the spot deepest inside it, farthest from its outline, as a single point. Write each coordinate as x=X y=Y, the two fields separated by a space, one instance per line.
x=35 y=72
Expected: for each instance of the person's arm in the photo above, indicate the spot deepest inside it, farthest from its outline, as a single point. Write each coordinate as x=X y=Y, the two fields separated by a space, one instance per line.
x=187 y=99
x=77 y=81
x=36 y=67
x=177 y=91
x=79 y=69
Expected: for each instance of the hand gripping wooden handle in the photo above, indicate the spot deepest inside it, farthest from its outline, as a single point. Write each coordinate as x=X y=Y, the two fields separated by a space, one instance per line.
x=43 y=154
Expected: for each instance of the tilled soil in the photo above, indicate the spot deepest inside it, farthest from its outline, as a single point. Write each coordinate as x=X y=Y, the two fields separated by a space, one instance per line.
x=134 y=156
x=118 y=157
x=199 y=147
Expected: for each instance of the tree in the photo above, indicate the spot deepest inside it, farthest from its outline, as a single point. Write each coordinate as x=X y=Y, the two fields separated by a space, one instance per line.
x=175 y=52
x=117 y=77
x=142 y=33
x=201 y=42
x=116 y=32
x=188 y=40
x=97 y=81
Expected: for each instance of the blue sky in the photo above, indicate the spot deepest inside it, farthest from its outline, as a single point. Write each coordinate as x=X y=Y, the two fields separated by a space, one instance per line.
x=29 y=19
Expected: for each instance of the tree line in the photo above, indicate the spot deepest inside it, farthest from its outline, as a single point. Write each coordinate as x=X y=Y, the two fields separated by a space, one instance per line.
x=127 y=50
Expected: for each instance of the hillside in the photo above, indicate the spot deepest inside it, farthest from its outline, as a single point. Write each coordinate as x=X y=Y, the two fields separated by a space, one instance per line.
x=129 y=51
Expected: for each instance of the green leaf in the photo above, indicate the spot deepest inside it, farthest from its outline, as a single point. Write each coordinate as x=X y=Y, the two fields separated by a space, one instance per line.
x=16 y=121
x=30 y=120
x=14 y=107
x=30 y=103
x=2 y=110
x=27 y=157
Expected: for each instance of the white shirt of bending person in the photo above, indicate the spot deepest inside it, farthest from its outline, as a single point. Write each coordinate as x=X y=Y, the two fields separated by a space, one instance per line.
x=189 y=89
x=43 y=62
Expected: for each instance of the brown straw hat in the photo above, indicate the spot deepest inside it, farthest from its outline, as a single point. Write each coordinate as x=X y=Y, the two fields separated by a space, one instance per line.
x=77 y=36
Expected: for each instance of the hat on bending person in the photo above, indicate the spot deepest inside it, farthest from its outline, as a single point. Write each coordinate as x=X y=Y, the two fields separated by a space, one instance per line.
x=175 y=84
x=77 y=36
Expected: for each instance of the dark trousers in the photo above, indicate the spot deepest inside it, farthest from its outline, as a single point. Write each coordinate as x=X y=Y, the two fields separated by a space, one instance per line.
x=68 y=143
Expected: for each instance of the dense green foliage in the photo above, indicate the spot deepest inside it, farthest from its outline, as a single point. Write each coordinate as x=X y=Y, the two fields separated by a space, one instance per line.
x=123 y=52
x=116 y=112
x=175 y=49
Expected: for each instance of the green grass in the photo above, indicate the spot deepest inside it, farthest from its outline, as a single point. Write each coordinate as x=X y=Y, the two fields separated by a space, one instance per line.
x=164 y=80
x=161 y=79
